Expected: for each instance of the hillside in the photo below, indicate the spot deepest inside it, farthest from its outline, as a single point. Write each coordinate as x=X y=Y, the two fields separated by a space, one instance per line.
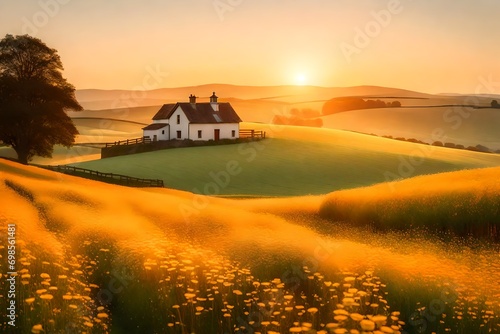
x=76 y=237
x=294 y=161
x=461 y=203
x=464 y=126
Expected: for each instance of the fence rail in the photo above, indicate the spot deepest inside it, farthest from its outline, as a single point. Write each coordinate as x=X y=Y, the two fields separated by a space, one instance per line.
x=248 y=133
x=135 y=141
x=107 y=177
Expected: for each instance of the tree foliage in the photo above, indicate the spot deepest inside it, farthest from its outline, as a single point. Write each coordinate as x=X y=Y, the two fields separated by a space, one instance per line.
x=34 y=98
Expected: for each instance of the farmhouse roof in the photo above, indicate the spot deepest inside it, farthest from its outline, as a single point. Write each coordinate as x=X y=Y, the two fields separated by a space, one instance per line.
x=200 y=112
x=155 y=126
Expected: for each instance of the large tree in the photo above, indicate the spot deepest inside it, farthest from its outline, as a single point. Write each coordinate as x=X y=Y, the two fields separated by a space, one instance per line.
x=34 y=98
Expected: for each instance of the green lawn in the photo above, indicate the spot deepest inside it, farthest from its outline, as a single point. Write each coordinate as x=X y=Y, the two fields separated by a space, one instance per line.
x=286 y=166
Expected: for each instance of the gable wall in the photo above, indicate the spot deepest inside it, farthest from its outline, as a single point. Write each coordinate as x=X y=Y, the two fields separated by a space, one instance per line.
x=183 y=126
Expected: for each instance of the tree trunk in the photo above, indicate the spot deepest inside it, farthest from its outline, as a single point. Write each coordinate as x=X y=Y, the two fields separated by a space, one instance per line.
x=22 y=156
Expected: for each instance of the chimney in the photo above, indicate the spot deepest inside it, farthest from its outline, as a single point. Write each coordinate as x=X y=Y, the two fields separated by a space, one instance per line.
x=192 y=99
x=213 y=102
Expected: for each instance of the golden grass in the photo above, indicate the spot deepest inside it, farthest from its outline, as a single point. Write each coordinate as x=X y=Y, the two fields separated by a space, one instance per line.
x=173 y=249
x=464 y=203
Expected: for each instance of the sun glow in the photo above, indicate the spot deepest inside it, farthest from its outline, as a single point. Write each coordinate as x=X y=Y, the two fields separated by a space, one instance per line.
x=300 y=79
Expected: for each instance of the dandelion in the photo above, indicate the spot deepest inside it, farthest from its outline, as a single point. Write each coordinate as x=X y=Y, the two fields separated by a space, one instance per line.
x=387 y=330
x=295 y=329
x=379 y=319
x=189 y=295
x=29 y=300
x=340 y=318
x=37 y=328
x=349 y=301
x=102 y=315
x=44 y=275
x=367 y=325
x=88 y=324
x=47 y=296
x=357 y=317
x=312 y=310
x=340 y=312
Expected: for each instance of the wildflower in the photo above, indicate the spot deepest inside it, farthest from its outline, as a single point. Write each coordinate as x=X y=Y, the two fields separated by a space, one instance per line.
x=37 y=328
x=357 y=317
x=367 y=325
x=189 y=295
x=312 y=310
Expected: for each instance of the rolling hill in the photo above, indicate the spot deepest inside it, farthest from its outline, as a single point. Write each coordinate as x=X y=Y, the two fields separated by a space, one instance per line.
x=459 y=125
x=294 y=161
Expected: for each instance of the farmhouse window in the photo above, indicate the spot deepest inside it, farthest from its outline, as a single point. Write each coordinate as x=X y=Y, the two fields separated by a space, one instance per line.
x=233 y=133
x=199 y=134
x=179 y=134
x=178 y=119
x=162 y=132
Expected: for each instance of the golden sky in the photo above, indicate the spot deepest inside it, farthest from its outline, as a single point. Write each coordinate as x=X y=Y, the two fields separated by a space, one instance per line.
x=431 y=46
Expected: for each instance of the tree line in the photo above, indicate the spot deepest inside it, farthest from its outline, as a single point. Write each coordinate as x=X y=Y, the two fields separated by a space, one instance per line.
x=341 y=104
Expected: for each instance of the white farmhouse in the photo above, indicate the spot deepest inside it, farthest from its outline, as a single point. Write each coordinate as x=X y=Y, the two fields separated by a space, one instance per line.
x=196 y=121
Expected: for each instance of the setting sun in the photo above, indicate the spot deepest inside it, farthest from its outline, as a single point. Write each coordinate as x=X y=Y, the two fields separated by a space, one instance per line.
x=300 y=79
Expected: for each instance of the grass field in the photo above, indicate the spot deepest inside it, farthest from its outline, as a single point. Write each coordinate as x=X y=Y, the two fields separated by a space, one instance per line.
x=99 y=258
x=460 y=203
x=295 y=161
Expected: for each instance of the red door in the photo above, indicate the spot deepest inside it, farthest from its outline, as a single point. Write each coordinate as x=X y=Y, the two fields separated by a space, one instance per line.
x=216 y=134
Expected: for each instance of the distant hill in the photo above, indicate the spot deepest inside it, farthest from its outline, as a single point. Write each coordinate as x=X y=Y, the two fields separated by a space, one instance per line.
x=95 y=99
x=465 y=126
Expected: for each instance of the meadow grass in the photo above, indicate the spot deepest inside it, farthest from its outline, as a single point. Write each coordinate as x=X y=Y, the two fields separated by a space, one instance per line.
x=132 y=261
x=465 y=203
x=292 y=162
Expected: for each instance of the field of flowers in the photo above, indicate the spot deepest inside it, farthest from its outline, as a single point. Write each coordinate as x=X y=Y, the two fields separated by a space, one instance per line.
x=98 y=258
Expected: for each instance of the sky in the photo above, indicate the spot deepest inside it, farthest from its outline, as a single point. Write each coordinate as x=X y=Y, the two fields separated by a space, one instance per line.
x=433 y=46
